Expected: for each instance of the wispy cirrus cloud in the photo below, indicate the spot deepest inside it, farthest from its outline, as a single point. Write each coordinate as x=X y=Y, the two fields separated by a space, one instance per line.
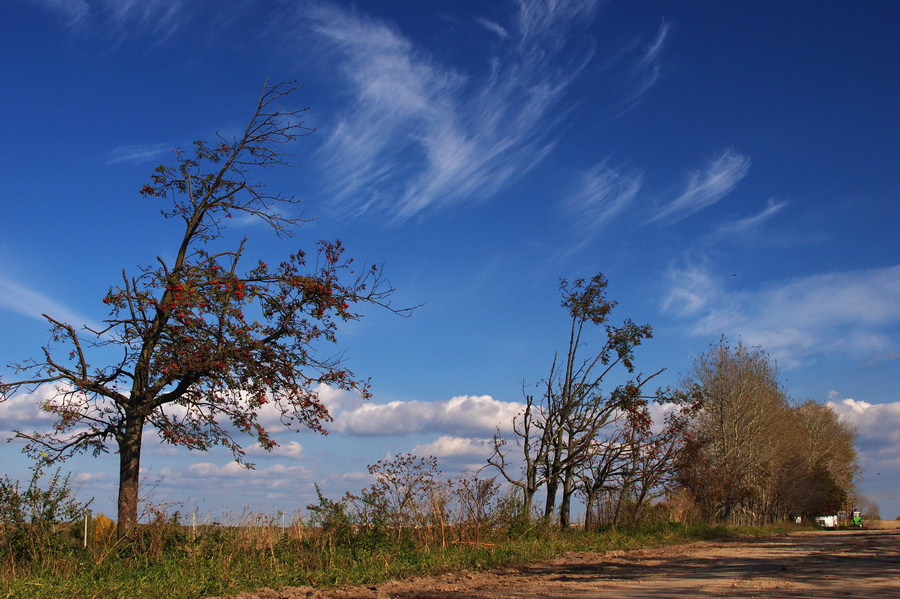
x=32 y=304
x=853 y=312
x=493 y=27
x=74 y=13
x=419 y=134
x=136 y=154
x=162 y=17
x=691 y=290
x=706 y=187
x=750 y=223
x=602 y=193
x=653 y=50
x=647 y=67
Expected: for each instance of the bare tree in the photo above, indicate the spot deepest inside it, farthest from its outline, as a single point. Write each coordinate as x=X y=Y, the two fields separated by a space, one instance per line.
x=202 y=343
x=557 y=432
x=599 y=476
x=651 y=456
x=532 y=443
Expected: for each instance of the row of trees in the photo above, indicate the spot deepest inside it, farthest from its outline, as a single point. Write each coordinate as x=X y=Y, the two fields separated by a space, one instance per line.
x=750 y=456
x=580 y=437
x=729 y=442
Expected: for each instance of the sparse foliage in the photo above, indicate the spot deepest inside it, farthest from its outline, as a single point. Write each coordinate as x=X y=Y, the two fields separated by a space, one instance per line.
x=32 y=518
x=750 y=456
x=561 y=432
x=205 y=343
x=401 y=493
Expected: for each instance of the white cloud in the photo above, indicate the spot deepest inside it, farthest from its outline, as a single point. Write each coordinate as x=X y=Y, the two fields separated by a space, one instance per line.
x=452 y=447
x=270 y=415
x=137 y=154
x=602 y=193
x=466 y=414
x=30 y=303
x=209 y=469
x=229 y=470
x=705 y=188
x=878 y=448
x=493 y=27
x=91 y=477
x=877 y=425
x=161 y=17
x=750 y=223
x=855 y=312
x=457 y=454
x=290 y=449
x=23 y=411
x=419 y=134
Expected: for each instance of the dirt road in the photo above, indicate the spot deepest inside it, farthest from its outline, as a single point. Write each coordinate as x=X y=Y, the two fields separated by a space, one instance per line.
x=809 y=564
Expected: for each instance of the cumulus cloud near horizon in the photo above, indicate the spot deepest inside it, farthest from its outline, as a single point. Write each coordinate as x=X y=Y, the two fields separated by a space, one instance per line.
x=878 y=425
x=24 y=409
x=878 y=447
x=461 y=415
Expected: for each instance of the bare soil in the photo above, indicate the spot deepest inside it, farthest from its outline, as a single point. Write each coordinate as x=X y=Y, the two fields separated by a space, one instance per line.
x=822 y=564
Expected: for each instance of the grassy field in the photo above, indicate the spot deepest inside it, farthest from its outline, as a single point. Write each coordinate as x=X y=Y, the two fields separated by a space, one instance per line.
x=168 y=560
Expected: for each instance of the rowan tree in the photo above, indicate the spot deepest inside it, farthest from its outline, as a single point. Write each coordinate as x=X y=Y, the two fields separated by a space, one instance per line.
x=650 y=456
x=204 y=342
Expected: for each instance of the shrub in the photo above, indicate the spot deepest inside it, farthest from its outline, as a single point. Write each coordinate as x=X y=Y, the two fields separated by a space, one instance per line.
x=39 y=518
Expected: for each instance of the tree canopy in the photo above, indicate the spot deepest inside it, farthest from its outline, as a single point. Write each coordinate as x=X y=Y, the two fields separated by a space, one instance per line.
x=752 y=456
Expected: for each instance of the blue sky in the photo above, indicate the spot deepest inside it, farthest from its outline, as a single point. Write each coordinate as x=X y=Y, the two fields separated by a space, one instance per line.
x=730 y=167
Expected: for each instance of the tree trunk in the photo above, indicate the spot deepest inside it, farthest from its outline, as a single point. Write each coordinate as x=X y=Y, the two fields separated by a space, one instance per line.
x=550 y=501
x=554 y=471
x=527 y=502
x=589 y=510
x=565 y=506
x=129 y=474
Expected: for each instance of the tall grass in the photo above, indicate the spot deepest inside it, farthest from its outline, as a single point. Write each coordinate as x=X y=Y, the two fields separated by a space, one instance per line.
x=409 y=522
x=164 y=559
